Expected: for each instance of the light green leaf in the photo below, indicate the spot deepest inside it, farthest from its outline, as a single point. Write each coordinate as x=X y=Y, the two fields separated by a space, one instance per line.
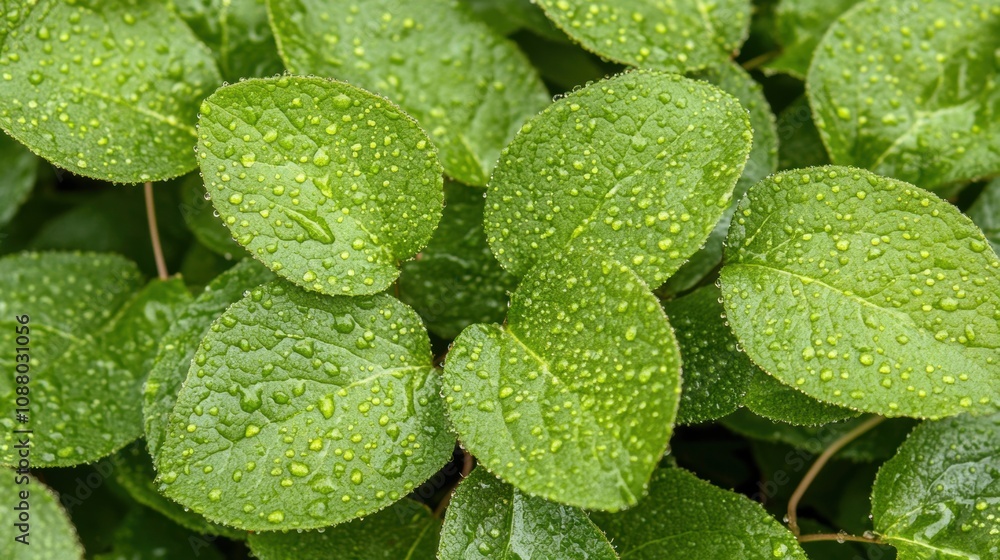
x=406 y=530
x=731 y=78
x=146 y=534
x=772 y=399
x=685 y=517
x=865 y=292
x=303 y=411
x=469 y=88
x=715 y=373
x=799 y=142
x=49 y=535
x=133 y=470
x=574 y=398
x=456 y=281
x=200 y=216
x=877 y=444
x=179 y=344
x=985 y=212
x=238 y=33
x=20 y=169
x=488 y=519
x=92 y=340
x=104 y=88
x=328 y=185
x=673 y=35
x=939 y=497
x=800 y=24
x=906 y=88
x=640 y=167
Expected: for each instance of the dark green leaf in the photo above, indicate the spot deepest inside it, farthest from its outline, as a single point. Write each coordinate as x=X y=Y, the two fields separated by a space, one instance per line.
x=126 y=110
x=800 y=24
x=865 y=292
x=20 y=169
x=574 y=398
x=200 y=217
x=799 y=142
x=772 y=399
x=303 y=411
x=985 y=212
x=488 y=519
x=328 y=185
x=469 y=88
x=145 y=534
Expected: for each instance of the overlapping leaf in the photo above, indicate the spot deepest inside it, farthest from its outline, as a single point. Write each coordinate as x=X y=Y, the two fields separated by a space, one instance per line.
x=469 y=88
x=328 y=185
x=985 y=212
x=939 y=497
x=238 y=33
x=49 y=535
x=799 y=142
x=145 y=534
x=639 y=167
x=865 y=292
x=574 y=398
x=800 y=24
x=107 y=89
x=488 y=519
x=20 y=171
x=303 y=411
x=907 y=88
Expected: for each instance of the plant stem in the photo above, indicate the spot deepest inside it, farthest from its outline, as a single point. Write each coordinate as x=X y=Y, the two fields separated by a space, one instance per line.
x=154 y=232
x=757 y=61
x=793 y=502
x=839 y=537
x=467 y=464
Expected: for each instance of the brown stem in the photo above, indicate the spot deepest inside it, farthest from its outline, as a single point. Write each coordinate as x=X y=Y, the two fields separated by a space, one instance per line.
x=757 y=61
x=154 y=233
x=467 y=463
x=793 y=502
x=839 y=537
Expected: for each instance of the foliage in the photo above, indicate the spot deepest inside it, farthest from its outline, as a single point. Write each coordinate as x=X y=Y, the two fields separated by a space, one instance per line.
x=498 y=279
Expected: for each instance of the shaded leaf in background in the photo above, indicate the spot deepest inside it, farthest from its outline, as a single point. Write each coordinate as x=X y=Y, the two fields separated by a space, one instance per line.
x=907 y=88
x=328 y=185
x=405 y=530
x=489 y=519
x=799 y=26
x=865 y=292
x=772 y=399
x=178 y=345
x=939 y=497
x=238 y=33
x=799 y=142
x=509 y=16
x=684 y=517
x=469 y=88
x=716 y=375
x=111 y=117
x=456 y=281
x=575 y=397
x=147 y=534
x=200 y=216
x=985 y=212
x=632 y=166
x=50 y=535
x=20 y=170
x=672 y=35
x=303 y=411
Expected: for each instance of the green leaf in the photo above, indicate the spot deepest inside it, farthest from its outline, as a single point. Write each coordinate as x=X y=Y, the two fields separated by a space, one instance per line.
x=876 y=444
x=179 y=344
x=685 y=517
x=20 y=172
x=266 y=149
x=456 y=281
x=406 y=530
x=574 y=398
x=939 y=497
x=134 y=471
x=906 y=88
x=238 y=33
x=865 y=292
x=985 y=212
x=200 y=216
x=107 y=89
x=303 y=411
x=469 y=88
x=799 y=144
x=91 y=342
x=800 y=24
x=49 y=534
x=487 y=518
x=145 y=534
x=772 y=399
x=640 y=167
x=731 y=78
x=715 y=373
x=507 y=17
x=671 y=35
